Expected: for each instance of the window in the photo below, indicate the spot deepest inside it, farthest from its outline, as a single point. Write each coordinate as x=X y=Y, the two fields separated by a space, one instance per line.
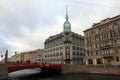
x=77 y=48
x=117 y=58
x=112 y=26
x=73 y=47
x=73 y=53
x=96 y=52
x=88 y=54
x=116 y=50
x=61 y=53
x=115 y=41
x=111 y=35
x=118 y=25
x=96 y=45
x=115 y=23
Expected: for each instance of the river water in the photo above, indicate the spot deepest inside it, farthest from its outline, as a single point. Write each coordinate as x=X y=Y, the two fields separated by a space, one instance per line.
x=39 y=76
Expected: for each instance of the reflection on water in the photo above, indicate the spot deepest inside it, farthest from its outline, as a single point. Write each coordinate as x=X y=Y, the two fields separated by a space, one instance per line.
x=23 y=73
x=69 y=77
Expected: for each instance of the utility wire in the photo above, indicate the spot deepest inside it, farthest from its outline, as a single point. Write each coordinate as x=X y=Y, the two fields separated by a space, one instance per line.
x=91 y=4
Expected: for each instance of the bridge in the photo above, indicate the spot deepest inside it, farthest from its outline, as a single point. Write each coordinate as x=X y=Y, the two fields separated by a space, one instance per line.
x=45 y=67
x=51 y=68
x=17 y=67
x=63 y=68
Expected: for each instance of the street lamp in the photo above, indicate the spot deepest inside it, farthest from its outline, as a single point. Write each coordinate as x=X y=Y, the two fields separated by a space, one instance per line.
x=6 y=56
x=1 y=56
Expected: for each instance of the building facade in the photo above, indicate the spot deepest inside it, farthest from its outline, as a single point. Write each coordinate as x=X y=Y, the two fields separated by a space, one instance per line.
x=66 y=47
x=39 y=55
x=102 y=42
x=15 y=58
x=28 y=57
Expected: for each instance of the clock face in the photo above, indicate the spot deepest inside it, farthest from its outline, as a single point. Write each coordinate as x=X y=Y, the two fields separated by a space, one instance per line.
x=67 y=25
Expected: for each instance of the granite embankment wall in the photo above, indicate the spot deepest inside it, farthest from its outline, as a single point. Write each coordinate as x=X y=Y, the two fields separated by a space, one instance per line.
x=3 y=71
x=114 y=70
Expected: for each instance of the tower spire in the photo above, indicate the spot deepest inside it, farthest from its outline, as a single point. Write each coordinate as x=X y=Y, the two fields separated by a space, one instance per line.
x=67 y=25
x=66 y=13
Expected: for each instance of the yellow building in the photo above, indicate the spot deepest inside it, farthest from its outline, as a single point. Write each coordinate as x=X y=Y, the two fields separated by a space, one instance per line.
x=102 y=42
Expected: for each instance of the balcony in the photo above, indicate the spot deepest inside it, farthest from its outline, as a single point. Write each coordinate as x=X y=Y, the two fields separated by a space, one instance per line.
x=106 y=47
x=67 y=42
x=108 y=57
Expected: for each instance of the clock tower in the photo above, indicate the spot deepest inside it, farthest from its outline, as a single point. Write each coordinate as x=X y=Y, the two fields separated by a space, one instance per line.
x=67 y=25
x=65 y=44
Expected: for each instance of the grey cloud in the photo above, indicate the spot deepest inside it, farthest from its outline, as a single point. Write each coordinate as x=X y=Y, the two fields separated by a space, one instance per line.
x=21 y=20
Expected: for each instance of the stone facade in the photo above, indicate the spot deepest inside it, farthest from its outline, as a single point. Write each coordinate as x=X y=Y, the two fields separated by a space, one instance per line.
x=65 y=48
x=28 y=57
x=15 y=58
x=68 y=68
x=102 y=42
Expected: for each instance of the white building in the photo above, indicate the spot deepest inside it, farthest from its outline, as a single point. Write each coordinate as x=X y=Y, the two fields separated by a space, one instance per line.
x=15 y=58
x=39 y=55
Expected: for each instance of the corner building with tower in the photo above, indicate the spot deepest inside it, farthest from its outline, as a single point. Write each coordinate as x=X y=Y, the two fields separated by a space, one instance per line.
x=66 y=47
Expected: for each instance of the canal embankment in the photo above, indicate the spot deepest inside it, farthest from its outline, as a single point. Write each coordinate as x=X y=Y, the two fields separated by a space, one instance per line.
x=92 y=69
x=3 y=71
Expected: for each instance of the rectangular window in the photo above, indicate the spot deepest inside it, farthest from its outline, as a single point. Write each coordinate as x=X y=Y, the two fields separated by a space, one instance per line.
x=96 y=52
x=117 y=58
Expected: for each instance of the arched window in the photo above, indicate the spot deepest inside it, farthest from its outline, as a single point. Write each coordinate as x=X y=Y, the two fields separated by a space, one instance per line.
x=90 y=61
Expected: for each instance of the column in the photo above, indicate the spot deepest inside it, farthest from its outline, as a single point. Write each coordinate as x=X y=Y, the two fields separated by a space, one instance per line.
x=94 y=61
x=86 y=62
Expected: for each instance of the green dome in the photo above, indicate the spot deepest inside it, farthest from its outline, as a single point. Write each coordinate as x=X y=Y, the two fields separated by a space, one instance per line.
x=67 y=26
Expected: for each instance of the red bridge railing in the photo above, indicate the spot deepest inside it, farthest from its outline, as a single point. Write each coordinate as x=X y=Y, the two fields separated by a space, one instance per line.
x=16 y=67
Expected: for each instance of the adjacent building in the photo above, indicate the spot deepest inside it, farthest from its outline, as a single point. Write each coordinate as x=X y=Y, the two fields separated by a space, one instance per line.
x=39 y=55
x=15 y=58
x=28 y=57
x=66 y=47
x=102 y=42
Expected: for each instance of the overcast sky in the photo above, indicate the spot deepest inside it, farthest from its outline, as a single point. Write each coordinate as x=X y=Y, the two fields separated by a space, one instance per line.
x=25 y=24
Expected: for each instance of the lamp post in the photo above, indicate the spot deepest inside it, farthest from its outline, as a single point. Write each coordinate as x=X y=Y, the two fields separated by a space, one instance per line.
x=6 y=56
x=1 y=56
